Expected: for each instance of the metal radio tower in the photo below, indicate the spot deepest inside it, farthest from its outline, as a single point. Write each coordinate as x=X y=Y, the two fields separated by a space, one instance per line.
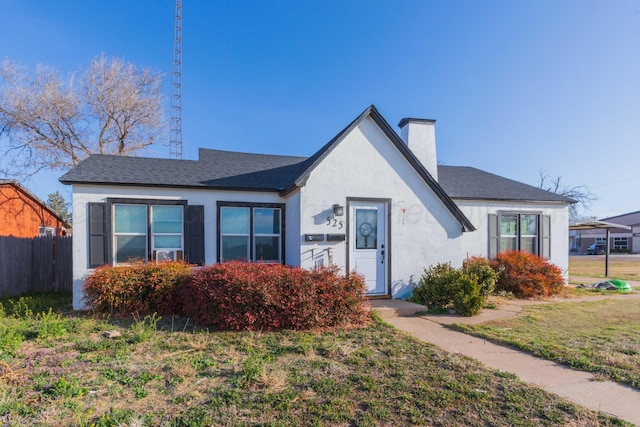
x=175 y=142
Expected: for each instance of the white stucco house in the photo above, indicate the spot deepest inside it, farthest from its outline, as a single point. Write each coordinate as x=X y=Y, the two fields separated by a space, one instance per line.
x=370 y=201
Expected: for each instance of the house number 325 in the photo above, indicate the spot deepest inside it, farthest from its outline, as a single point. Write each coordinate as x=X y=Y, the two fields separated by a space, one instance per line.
x=335 y=223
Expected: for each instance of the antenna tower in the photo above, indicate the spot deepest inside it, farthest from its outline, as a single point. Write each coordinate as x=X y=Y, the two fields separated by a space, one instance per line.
x=175 y=141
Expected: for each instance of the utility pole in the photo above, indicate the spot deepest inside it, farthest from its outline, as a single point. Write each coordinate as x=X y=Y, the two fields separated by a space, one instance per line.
x=175 y=141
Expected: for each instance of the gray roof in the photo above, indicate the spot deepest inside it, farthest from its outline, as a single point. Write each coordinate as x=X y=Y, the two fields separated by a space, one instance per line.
x=229 y=170
x=214 y=169
x=463 y=182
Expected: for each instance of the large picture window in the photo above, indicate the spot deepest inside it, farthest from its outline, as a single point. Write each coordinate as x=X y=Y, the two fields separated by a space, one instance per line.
x=525 y=232
x=251 y=232
x=140 y=226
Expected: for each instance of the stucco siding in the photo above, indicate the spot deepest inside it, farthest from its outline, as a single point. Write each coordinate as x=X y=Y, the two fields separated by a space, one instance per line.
x=366 y=165
x=84 y=194
x=477 y=243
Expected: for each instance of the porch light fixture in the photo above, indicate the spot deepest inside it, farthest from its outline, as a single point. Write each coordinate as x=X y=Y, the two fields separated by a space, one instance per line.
x=338 y=210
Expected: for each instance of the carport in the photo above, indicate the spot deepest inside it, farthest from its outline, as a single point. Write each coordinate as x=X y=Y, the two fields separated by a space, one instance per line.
x=600 y=225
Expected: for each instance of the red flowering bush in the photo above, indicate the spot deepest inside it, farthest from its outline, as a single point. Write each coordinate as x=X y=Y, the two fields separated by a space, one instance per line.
x=252 y=296
x=527 y=275
x=138 y=288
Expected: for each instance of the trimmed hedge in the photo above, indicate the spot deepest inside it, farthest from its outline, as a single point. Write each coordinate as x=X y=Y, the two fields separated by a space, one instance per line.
x=527 y=275
x=251 y=296
x=137 y=288
x=232 y=296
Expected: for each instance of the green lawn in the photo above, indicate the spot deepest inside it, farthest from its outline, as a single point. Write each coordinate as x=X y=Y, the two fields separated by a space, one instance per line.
x=60 y=369
x=602 y=337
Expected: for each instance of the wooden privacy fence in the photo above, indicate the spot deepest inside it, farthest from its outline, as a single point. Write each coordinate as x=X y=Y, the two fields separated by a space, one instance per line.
x=40 y=264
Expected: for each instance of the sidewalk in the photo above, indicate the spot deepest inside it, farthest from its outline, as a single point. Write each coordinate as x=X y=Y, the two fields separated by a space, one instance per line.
x=579 y=387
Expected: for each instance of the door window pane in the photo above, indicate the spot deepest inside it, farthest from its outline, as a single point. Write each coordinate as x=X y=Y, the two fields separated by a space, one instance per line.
x=234 y=220
x=366 y=228
x=235 y=248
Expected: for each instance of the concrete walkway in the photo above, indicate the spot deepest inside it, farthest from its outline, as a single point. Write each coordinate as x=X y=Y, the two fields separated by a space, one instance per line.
x=576 y=386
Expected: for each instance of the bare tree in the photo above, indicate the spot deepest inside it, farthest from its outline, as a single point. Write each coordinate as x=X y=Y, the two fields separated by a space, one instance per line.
x=580 y=193
x=47 y=122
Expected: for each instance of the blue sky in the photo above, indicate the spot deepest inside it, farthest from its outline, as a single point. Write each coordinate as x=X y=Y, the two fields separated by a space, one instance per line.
x=515 y=86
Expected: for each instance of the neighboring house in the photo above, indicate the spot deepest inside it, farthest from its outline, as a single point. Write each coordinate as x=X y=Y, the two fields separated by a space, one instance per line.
x=620 y=240
x=368 y=201
x=23 y=214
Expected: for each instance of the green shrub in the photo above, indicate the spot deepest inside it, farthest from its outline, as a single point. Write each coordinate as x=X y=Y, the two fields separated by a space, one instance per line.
x=464 y=289
x=436 y=286
x=481 y=269
x=138 y=288
x=526 y=275
x=467 y=296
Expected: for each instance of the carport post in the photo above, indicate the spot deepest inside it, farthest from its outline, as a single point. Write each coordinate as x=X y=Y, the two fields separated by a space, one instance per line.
x=606 y=256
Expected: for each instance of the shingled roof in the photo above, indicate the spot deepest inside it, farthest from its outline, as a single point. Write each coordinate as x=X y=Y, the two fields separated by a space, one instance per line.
x=214 y=169
x=230 y=170
x=463 y=182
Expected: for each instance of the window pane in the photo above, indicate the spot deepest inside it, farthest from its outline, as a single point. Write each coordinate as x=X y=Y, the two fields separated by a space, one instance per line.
x=267 y=249
x=130 y=219
x=234 y=220
x=508 y=225
x=266 y=221
x=507 y=244
x=167 y=242
x=166 y=219
x=129 y=248
x=529 y=225
x=528 y=244
x=366 y=228
x=235 y=248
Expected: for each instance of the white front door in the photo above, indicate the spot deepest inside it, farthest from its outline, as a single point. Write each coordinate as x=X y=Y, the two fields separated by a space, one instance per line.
x=368 y=251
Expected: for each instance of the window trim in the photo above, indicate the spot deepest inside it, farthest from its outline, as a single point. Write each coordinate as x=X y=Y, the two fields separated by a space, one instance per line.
x=539 y=233
x=47 y=231
x=618 y=246
x=111 y=201
x=251 y=206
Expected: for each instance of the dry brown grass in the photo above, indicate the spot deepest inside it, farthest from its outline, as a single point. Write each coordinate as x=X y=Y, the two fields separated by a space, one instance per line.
x=620 y=267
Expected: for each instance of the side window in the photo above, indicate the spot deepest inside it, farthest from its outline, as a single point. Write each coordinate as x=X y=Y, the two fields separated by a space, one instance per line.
x=519 y=231
x=129 y=233
x=167 y=228
x=124 y=230
x=47 y=231
x=234 y=234
x=251 y=232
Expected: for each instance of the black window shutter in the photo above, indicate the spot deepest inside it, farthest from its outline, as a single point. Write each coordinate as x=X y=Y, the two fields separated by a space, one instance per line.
x=97 y=235
x=493 y=235
x=194 y=224
x=546 y=236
